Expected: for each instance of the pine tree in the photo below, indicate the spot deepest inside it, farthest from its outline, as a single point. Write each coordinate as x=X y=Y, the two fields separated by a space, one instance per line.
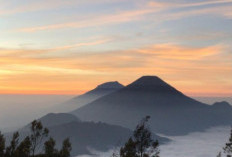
x=10 y=150
x=28 y=146
x=24 y=148
x=141 y=144
x=38 y=133
x=66 y=148
x=49 y=148
x=129 y=150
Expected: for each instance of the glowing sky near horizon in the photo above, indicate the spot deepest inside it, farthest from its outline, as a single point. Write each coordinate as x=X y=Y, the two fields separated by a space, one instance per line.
x=70 y=46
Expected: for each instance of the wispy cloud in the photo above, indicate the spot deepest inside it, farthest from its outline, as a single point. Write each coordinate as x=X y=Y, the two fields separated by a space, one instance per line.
x=7 y=7
x=184 y=4
x=195 y=67
x=163 y=13
x=68 y=64
x=170 y=51
x=6 y=52
x=124 y=16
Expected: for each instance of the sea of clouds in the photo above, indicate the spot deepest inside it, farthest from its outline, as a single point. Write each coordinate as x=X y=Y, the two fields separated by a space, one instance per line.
x=199 y=144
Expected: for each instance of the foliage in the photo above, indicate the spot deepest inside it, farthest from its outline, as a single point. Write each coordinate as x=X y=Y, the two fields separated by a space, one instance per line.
x=49 y=147
x=129 y=149
x=23 y=150
x=30 y=144
x=38 y=133
x=10 y=150
x=66 y=148
x=141 y=144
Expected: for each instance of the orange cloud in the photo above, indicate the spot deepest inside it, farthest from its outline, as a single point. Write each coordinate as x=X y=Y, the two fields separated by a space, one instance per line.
x=170 y=51
x=195 y=71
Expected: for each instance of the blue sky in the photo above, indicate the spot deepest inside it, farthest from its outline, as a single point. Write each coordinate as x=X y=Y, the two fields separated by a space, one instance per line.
x=52 y=46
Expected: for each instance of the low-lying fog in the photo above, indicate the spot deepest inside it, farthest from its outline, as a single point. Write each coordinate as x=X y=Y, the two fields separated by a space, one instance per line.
x=18 y=110
x=200 y=144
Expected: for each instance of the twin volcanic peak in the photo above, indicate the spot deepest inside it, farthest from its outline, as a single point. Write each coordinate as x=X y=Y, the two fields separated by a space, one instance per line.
x=115 y=110
x=172 y=112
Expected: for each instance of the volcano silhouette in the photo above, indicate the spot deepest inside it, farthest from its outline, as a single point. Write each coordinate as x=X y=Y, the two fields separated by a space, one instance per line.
x=172 y=112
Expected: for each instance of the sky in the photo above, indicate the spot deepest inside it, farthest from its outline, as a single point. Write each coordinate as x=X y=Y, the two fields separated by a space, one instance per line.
x=69 y=47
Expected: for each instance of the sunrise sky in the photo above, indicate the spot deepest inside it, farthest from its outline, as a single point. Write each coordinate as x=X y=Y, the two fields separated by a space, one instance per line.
x=70 y=46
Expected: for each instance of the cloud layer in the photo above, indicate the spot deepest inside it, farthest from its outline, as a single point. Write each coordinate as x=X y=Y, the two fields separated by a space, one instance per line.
x=200 y=144
x=69 y=47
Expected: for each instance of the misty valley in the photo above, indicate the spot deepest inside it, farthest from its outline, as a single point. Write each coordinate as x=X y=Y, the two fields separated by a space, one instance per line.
x=147 y=117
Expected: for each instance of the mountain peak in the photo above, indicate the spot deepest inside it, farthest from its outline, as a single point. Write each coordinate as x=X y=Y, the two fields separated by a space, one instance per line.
x=149 y=80
x=153 y=83
x=222 y=104
x=110 y=85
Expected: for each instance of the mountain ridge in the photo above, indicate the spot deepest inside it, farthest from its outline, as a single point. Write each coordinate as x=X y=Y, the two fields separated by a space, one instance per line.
x=172 y=112
x=99 y=136
x=81 y=100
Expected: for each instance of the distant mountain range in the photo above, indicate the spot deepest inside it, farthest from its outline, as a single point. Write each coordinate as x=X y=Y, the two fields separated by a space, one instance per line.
x=172 y=112
x=109 y=112
x=78 y=101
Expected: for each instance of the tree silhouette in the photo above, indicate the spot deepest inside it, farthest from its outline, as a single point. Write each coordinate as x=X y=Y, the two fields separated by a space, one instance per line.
x=141 y=144
x=49 y=147
x=129 y=150
x=66 y=148
x=24 y=148
x=27 y=147
x=38 y=133
x=10 y=150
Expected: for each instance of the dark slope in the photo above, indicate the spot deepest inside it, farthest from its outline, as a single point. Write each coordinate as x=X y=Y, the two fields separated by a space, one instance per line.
x=99 y=136
x=83 y=135
x=53 y=119
x=99 y=91
x=171 y=112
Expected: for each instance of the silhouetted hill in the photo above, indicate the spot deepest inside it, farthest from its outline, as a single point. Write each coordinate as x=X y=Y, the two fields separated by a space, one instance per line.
x=53 y=119
x=99 y=91
x=222 y=105
x=83 y=135
x=98 y=136
x=171 y=111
